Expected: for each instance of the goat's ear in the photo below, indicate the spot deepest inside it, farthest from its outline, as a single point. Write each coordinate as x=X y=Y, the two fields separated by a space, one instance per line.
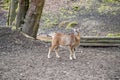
x=74 y=30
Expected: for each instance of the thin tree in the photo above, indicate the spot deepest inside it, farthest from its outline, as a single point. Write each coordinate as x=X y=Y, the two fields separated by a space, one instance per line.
x=22 y=10
x=32 y=18
x=12 y=12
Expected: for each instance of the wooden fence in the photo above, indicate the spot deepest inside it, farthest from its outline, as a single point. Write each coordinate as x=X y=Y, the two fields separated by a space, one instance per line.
x=91 y=40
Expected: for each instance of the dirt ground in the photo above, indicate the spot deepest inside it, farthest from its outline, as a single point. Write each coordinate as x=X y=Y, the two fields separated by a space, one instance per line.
x=25 y=59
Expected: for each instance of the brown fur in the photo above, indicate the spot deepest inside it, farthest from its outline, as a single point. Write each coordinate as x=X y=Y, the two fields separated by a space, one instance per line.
x=71 y=40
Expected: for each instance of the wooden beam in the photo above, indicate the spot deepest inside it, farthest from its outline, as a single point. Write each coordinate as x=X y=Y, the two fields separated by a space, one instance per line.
x=100 y=44
x=91 y=40
x=2 y=6
x=100 y=39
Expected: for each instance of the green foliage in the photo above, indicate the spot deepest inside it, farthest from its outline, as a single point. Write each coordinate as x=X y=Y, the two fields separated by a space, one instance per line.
x=6 y=4
x=108 y=9
x=13 y=28
x=62 y=9
x=75 y=7
x=110 y=34
x=103 y=8
x=6 y=1
x=111 y=0
x=63 y=23
x=65 y=13
x=51 y=24
x=71 y=24
x=48 y=22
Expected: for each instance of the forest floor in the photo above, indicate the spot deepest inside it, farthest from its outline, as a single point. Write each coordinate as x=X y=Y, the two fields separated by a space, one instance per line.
x=93 y=17
x=26 y=59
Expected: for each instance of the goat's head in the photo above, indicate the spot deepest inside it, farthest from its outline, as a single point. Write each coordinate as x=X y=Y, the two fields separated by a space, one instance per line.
x=76 y=31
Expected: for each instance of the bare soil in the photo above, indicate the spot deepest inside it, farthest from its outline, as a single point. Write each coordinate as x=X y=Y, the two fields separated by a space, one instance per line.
x=26 y=59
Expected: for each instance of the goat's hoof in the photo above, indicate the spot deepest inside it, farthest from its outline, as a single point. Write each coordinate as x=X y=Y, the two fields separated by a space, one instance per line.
x=71 y=58
x=49 y=57
x=58 y=56
x=81 y=51
x=74 y=57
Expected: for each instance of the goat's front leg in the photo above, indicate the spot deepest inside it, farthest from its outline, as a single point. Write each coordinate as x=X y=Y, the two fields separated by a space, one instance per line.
x=56 y=51
x=49 y=52
x=71 y=52
x=50 y=49
x=74 y=56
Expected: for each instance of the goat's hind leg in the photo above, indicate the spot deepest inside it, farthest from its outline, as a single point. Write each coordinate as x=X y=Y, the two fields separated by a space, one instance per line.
x=49 y=52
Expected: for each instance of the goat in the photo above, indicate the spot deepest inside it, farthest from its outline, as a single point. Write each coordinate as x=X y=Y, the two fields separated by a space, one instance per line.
x=71 y=40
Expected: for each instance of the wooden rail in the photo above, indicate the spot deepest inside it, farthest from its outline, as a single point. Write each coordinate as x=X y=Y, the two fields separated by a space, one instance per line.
x=2 y=6
x=91 y=40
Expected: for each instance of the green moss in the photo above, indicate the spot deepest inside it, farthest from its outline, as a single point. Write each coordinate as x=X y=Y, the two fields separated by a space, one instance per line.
x=6 y=4
x=103 y=8
x=111 y=0
x=71 y=24
x=48 y=23
x=75 y=7
x=110 y=34
x=13 y=28
x=62 y=9
x=108 y=9
x=63 y=23
x=94 y=31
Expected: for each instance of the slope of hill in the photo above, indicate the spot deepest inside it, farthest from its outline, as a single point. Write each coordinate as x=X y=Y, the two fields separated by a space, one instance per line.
x=93 y=17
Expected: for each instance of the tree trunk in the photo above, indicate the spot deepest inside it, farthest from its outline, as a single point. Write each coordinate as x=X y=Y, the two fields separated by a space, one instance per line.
x=33 y=16
x=12 y=12
x=22 y=10
x=8 y=16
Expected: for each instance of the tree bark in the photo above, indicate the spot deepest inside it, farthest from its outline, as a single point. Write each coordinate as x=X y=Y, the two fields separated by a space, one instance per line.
x=22 y=10
x=12 y=12
x=33 y=16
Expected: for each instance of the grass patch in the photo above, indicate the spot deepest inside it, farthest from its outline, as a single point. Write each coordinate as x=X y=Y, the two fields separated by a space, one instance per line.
x=104 y=9
x=75 y=7
x=6 y=4
x=110 y=34
x=63 y=23
x=71 y=24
